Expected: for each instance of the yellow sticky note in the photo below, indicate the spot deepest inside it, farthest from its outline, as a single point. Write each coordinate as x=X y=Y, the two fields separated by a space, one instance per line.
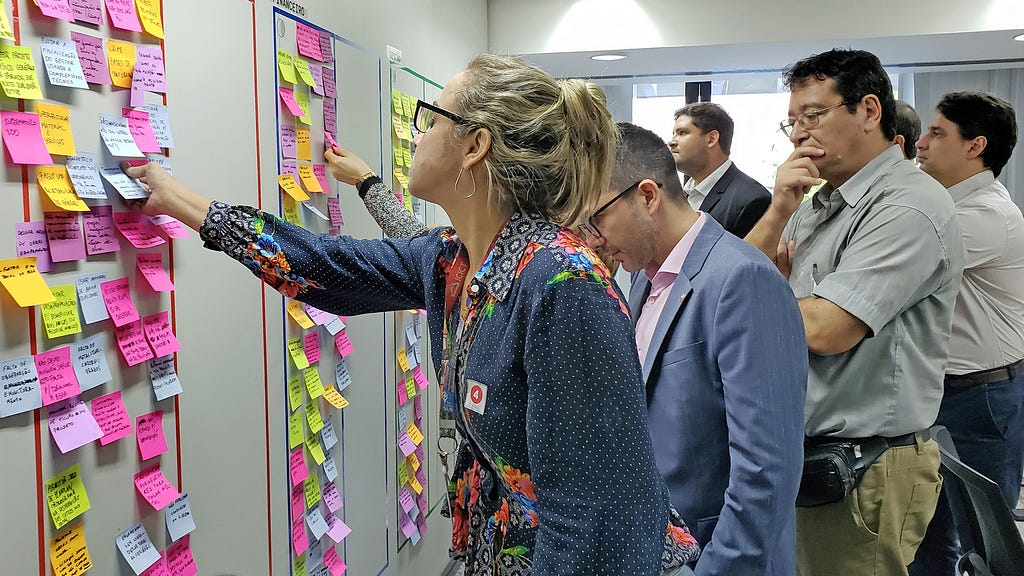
x=335 y=398
x=288 y=183
x=407 y=200
x=414 y=433
x=69 y=554
x=397 y=173
x=311 y=490
x=302 y=67
x=61 y=316
x=407 y=156
x=403 y=360
x=309 y=178
x=399 y=127
x=298 y=314
x=409 y=104
x=5 y=25
x=65 y=495
x=302 y=146
x=290 y=210
x=314 y=386
x=396 y=101
x=149 y=15
x=415 y=484
x=315 y=449
x=294 y=392
x=299 y=565
x=56 y=124
x=18 y=72
x=302 y=99
x=410 y=386
x=413 y=461
x=296 y=429
x=402 y=177
x=298 y=353
x=121 y=61
x=285 y=66
x=403 y=473
x=313 y=417
x=397 y=152
x=21 y=279
x=55 y=182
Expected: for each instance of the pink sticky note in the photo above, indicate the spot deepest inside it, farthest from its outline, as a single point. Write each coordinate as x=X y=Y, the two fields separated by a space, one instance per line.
x=31 y=241
x=149 y=432
x=161 y=337
x=311 y=345
x=297 y=466
x=56 y=9
x=151 y=266
x=155 y=487
x=170 y=227
x=142 y=131
x=320 y=171
x=333 y=563
x=329 y=492
x=23 y=138
x=403 y=395
x=179 y=558
x=118 y=299
x=330 y=117
x=405 y=444
x=112 y=417
x=158 y=568
x=72 y=426
x=288 y=97
x=406 y=499
x=137 y=95
x=57 y=380
x=421 y=380
x=137 y=230
x=318 y=316
x=337 y=529
x=100 y=237
x=123 y=16
x=316 y=71
x=334 y=211
x=92 y=57
x=64 y=236
x=300 y=542
x=149 y=68
x=343 y=344
x=330 y=88
x=326 y=46
x=132 y=343
x=308 y=40
x=88 y=11
x=298 y=500
x=288 y=145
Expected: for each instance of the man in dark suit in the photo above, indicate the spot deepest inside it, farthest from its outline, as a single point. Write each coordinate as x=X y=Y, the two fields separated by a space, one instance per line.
x=700 y=144
x=724 y=360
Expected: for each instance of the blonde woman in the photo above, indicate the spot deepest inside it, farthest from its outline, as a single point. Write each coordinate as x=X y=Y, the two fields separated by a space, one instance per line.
x=534 y=348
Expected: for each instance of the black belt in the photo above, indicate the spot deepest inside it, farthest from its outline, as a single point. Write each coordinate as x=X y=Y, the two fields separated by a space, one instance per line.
x=964 y=381
x=891 y=441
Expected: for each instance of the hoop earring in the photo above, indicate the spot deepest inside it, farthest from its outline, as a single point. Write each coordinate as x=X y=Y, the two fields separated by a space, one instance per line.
x=459 y=177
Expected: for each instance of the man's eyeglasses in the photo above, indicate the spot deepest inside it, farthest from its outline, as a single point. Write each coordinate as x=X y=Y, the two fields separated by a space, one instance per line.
x=807 y=120
x=589 y=227
x=426 y=114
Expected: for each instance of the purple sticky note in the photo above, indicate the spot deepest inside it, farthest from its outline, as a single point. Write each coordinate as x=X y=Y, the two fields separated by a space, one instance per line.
x=330 y=117
x=337 y=529
x=72 y=426
x=64 y=234
x=31 y=241
x=405 y=444
x=317 y=72
x=92 y=57
x=334 y=211
x=122 y=15
x=100 y=237
x=406 y=499
x=330 y=88
x=288 y=145
x=149 y=68
x=57 y=380
x=332 y=499
x=87 y=11
x=407 y=525
x=149 y=432
x=308 y=40
x=23 y=138
x=326 y=46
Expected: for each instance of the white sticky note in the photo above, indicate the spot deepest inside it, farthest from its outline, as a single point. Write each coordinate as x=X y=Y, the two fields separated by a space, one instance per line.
x=328 y=437
x=19 y=382
x=89 y=359
x=62 y=65
x=137 y=548
x=118 y=137
x=159 y=120
x=179 y=517
x=317 y=524
x=90 y=299
x=165 y=379
x=83 y=168
x=128 y=189
x=330 y=469
x=315 y=211
x=342 y=378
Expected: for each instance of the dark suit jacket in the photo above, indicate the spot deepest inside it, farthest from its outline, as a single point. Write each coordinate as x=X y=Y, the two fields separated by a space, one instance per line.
x=726 y=374
x=737 y=201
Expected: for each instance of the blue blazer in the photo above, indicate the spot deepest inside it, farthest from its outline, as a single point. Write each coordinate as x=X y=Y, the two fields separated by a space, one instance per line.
x=726 y=375
x=737 y=201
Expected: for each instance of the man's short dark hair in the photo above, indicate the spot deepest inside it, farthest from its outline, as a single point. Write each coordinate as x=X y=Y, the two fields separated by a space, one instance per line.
x=708 y=116
x=980 y=114
x=856 y=73
x=641 y=154
x=908 y=125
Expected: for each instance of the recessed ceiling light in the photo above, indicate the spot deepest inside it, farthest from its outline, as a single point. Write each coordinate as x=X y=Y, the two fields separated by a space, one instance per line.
x=608 y=57
x=1019 y=37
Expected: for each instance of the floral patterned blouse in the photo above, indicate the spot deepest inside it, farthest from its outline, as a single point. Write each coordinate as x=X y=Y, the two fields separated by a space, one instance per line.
x=556 y=473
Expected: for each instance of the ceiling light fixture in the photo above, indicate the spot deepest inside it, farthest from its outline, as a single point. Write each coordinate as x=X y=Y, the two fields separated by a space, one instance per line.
x=1019 y=37
x=608 y=57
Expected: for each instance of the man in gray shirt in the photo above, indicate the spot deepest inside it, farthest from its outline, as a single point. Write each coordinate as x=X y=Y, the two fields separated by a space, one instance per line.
x=966 y=146
x=875 y=260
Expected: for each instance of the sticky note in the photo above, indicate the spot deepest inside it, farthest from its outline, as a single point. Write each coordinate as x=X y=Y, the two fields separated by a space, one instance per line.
x=159 y=334
x=334 y=325
x=320 y=173
x=149 y=14
x=285 y=66
x=154 y=487
x=328 y=437
x=300 y=542
x=137 y=229
x=117 y=136
x=313 y=417
x=19 y=384
x=72 y=425
x=112 y=417
x=151 y=267
x=308 y=41
x=414 y=433
x=180 y=559
x=290 y=186
x=88 y=358
x=302 y=141
x=159 y=120
x=149 y=434
x=330 y=87
x=122 y=15
x=126 y=187
x=309 y=179
x=169 y=227
x=158 y=568
x=18 y=73
x=311 y=491
x=140 y=129
x=66 y=497
x=297 y=466
x=298 y=353
x=90 y=297
x=290 y=210
x=64 y=235
x=420 y=378
x=178 y=518
x=415 y=485
x=298 y=314
x=302 y=69
x=302 y=100
x=334 y=564
x=88 y=11
x=288 y=98
x=330 y=117
x=69 y=554
x=121 y=62
x=6 y=32
x=343 y=344
x=165 y=380
x=405 y=444
x=334 y=211
x=85 y=177
x=335 y=398
x=57 y=380
x=329 y=492
x=56 y=184
x=311 y=377
x=61 y=60
x=330 y=469
x=337 y=530
x=56 y=9
x=400 y=391
x=315 y=450
x=23 y=137
x=92 y=58
x=98 y=225
x=403 y=362
x=316 y=72
x=118 y=299
x=132 y=343
x=60 y=317
x=136 y=547
x=327 y=45
x=317 y=524
x=287 y=141
x=296 y=429
x=30 y=240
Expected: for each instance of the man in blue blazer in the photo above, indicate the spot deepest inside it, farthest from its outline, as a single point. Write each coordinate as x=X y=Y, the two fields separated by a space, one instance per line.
x=700 y=144
x=724 y=360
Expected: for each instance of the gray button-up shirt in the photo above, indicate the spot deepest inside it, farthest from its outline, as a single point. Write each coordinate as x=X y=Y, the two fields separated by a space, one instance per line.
x=988 y=326
x=885 y=247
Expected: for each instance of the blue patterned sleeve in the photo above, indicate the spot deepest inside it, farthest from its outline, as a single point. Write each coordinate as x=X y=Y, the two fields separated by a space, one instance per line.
x=341 y=275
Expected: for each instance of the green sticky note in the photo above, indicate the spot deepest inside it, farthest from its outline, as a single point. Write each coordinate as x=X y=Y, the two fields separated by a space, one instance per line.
x=294 y=393
x=296 y=429
x=66 y=497
x=313 y=417
x=61 y=316
x=313 y=384
x=286 y=66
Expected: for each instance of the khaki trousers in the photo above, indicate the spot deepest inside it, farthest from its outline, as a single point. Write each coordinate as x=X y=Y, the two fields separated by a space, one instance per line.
x=875 y=531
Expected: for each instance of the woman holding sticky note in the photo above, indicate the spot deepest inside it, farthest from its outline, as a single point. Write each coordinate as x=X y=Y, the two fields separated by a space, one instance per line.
x=535 y=350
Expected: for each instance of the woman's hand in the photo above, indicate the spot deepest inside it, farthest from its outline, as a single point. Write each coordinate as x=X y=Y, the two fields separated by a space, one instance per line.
x=345 y=166
x=167 y=195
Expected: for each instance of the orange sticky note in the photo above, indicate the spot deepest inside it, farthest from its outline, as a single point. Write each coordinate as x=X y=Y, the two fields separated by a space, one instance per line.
x=121 y=60
x=21 y=279
x=303 y=150
x=291 y=187
x=69 y=553
x=149 y=15
x=309 y=178
x=56 y=124
x=414 y=433
x=298 y=314
x=335 y=398
x=55 y=182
